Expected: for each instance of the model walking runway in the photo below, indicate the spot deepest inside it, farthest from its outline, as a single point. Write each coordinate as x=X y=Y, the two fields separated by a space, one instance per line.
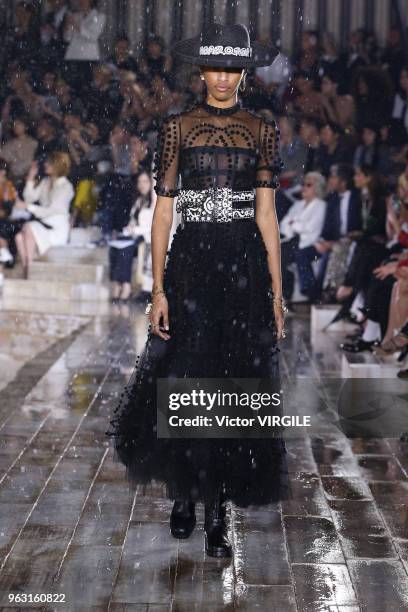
x=219 y=291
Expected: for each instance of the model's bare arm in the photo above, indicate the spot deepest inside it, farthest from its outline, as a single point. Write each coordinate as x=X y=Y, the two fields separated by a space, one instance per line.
x=161 y=226
x=268 y=225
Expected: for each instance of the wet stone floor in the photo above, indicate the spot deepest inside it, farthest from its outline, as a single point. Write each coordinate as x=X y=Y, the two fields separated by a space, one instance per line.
x=70 y=528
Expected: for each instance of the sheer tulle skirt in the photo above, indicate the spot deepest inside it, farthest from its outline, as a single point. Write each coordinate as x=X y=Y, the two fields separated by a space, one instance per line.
x=221 y=320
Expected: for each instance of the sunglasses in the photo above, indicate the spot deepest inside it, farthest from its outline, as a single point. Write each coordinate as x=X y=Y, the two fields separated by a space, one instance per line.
x=307 y=184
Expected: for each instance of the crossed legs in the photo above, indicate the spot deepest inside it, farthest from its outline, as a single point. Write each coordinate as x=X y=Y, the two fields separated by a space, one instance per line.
x=26 y=245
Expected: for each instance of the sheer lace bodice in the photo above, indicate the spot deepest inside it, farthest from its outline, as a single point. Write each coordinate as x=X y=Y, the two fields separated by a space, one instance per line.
x=207 y=147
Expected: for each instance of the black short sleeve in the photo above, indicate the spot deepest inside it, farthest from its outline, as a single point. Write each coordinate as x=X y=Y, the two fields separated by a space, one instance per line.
x=166 y=162
x=270 y=163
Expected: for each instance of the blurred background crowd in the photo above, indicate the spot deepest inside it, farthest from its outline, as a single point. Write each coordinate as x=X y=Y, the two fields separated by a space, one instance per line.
x=78 y=134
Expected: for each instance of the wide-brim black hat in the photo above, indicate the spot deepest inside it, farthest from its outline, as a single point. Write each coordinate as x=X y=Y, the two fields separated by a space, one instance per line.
x=224 y=45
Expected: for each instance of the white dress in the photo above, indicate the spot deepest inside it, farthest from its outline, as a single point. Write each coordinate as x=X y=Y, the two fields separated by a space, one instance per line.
x=54 y=206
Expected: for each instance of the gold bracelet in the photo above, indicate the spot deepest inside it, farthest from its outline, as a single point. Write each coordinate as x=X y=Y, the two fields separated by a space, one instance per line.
x=157 y=290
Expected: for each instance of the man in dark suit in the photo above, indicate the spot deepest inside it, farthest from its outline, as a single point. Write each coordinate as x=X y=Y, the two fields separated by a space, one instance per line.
x=343 y=213
x=343 y=217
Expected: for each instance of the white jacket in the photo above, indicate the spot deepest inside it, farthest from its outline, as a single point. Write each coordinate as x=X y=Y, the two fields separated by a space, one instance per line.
x=83 y=43
x=54 y=210
x=305 y=220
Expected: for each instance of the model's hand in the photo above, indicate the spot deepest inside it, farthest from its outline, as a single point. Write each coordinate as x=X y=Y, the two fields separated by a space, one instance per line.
x=33 y=171
x=279 y=319
x=160 y=310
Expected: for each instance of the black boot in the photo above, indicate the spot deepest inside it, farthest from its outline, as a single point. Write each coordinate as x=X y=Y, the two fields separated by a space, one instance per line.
x=182 y=519
x=216 y=538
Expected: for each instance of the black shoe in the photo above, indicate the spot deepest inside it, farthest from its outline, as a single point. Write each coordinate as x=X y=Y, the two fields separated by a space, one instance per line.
x=402 y=355
x=216 y=538
x=358 y=346
x=182 y=519
x=356 y=335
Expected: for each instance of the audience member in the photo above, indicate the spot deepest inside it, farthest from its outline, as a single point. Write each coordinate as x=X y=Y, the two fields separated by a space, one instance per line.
x=333 y=149
x=301 y=227
x=8 y=195
x=19 y=151
x=49 y=202
x=82 y=31
x=293 y=152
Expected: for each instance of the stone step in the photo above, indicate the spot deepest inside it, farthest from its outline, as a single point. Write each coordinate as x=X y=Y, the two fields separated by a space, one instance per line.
x=67 y=272
x=321 y=315
x=55 y=307
x=38 y=324
x=81 y=236
x=80 y=255
x=54 y=290
x=368 y=365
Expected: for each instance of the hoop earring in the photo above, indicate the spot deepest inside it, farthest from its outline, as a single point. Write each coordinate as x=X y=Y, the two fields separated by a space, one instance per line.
x=242 y=85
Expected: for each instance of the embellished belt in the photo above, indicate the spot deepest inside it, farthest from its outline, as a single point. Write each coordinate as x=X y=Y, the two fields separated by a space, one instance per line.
x=217 y=204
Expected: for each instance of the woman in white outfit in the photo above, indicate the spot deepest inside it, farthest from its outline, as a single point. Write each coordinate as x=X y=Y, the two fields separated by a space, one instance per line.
x=53 y=196
x=82 y=32
x=301 y=228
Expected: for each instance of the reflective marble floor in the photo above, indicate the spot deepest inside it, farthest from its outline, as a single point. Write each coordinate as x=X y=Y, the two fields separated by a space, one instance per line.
x=70 y=528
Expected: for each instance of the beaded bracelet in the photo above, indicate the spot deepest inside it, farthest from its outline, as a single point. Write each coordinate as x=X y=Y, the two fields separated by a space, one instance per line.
x=277 y=299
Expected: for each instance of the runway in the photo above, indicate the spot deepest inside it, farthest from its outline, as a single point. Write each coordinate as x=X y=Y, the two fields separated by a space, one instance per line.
x=70 y=528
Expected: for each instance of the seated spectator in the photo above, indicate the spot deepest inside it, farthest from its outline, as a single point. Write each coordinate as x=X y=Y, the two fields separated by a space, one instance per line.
x=51 y=225
x=195 y=90
x=19 y=151
x=343 y=217
x=22 y=41
x=329 y=60
x=122 y=58
x=353 y=58
x=103 y=101
x=117 y=191
x=8 y=195
x=293 y=153
x=15 y=84
x=140 y=156
x=154 y=60
x=161 y=101
x=371 y=152
x=301 y=227
x=52 y=33
x=308 y=101
x=310 y=134
x=307 y=60
x=47 y=89
x=338 y=109
x=48 y=140
x=67 y=102
x=333 y=149
x=383 y=308
x=393 y=57
x=135 y=101
x=400 y=109
x=92 y=151
x=372 y=93
x=369 y=244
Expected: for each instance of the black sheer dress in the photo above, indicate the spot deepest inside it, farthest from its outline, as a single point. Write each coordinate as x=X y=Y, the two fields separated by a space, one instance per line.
x=219 y=291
